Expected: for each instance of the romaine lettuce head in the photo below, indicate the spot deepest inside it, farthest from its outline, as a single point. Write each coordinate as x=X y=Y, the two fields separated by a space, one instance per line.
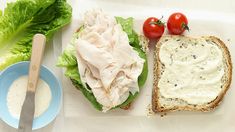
x=69 y=61
x=23 y=19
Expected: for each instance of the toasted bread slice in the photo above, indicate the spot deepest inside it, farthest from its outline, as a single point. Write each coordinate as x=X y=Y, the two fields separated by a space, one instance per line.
x=171 y=92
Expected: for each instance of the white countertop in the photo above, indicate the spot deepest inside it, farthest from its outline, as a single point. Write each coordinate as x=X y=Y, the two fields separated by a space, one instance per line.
x=67 y=123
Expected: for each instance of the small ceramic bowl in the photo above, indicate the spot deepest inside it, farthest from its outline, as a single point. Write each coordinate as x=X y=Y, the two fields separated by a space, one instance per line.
x=13 y=72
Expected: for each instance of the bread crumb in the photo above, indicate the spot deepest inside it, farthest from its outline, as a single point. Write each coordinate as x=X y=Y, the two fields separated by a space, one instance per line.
x=149 y=110
x=163 y=114
x=144 y=42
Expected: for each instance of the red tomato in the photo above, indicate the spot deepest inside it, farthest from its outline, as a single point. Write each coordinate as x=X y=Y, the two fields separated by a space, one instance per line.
x=153 y=28
x=177 y=23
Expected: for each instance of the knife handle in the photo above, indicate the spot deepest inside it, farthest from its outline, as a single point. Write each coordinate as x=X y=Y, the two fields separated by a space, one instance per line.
x=38 y=46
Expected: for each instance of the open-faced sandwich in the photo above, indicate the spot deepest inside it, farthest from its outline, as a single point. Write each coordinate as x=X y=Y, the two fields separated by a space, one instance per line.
x=190 y=74
x=105 y=61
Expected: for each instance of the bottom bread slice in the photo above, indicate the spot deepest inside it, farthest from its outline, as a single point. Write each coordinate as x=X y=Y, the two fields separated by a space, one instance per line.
x=180 y=66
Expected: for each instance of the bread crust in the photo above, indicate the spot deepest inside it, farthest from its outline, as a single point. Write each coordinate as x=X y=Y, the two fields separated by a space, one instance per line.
x=157 y=107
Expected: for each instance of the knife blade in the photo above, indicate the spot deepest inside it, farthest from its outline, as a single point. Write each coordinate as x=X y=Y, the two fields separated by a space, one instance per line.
x=28 y=108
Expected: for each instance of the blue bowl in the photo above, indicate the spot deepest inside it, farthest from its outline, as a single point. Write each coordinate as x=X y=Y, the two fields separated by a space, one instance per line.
x=13 y=72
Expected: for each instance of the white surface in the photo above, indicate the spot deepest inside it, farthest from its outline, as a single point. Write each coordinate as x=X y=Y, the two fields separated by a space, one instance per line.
x=203 y=20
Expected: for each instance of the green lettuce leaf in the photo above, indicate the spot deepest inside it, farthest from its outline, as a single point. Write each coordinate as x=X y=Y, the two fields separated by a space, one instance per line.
x=24 y=18
x=89 y=95
x=68 y=60
x=141 y=79
x=127 y=26
x=143 y=76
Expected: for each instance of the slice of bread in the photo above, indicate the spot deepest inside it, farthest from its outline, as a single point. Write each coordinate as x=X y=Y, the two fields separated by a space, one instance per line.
x=165 y=100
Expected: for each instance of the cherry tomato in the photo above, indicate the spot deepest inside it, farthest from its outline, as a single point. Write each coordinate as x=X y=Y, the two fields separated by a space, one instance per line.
x=177 y=23
x=153 y=28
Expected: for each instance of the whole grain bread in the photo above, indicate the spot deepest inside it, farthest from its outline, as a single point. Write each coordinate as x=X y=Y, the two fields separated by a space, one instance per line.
x=162 y=104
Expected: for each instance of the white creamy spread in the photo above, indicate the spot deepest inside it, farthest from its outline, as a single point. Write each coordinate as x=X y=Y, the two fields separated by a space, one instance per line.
x=106 y=61
x=17 y=93
x=193 y=71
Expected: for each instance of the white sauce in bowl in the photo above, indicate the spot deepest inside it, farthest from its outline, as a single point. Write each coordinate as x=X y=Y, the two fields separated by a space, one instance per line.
x=17 y=93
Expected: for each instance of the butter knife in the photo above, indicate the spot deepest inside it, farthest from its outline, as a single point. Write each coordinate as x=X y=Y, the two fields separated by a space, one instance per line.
x=28 y=108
